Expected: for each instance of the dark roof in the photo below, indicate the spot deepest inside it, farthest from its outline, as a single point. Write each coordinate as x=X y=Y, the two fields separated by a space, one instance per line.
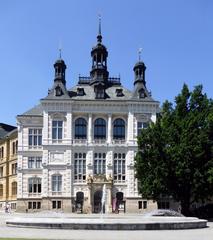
x=5 y=129
x=37 y=110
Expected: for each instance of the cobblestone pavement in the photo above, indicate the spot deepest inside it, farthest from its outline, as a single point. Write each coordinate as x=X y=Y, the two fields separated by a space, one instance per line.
x=194 y=234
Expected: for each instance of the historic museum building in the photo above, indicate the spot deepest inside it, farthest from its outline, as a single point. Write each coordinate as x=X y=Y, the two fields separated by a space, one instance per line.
x=76 y=148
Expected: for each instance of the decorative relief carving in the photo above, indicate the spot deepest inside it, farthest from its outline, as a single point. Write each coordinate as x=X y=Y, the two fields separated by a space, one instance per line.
x=57 y=157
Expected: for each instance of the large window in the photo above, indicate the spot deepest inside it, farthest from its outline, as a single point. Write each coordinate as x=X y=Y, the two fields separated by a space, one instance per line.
x=34 y=162
x=35 y=137
x=100 y=129
x=1 y=190
x=34 y=185
x=14 y=188
x=119 y=129
x=80 y=128
x=99 y=163
x=56 y=183
x=1 y=152
x=14 y=168
x=1 y=171
x=119 y=167
x=14 y=147
x=34 y=205
x=142 y=125
x=80 y=167
x=57 y=129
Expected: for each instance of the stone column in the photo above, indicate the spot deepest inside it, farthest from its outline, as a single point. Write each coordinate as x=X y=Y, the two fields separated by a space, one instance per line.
x=109 y=134
x=90 y=128
x=109 y=199
x=89 y=202
x=130 y=127
x=45 y=128
x=69 y=127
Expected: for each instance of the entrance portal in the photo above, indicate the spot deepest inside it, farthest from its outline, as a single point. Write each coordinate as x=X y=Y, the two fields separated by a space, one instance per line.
x=97 y=201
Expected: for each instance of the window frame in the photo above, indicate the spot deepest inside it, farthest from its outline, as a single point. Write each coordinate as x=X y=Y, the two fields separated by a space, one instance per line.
x=80 y=167
x=100 y=128
x=35 y=137
x=34 y=185
x=119 y=127
x=119 y=167
x=57 y=130
x=81 y=127
x=99 y=166
x=56 y=183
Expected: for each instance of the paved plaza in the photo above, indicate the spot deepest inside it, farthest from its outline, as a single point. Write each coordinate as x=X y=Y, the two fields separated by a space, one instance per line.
x=5 y=231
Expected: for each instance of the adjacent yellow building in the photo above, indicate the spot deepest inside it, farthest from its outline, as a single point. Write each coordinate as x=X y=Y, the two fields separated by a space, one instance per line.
x=8 y=167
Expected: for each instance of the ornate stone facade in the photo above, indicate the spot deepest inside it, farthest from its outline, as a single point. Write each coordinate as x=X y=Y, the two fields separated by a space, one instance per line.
x=77 y=142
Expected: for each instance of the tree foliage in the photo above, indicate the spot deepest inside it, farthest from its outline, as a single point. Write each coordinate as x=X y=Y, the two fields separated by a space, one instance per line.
x=175 y=155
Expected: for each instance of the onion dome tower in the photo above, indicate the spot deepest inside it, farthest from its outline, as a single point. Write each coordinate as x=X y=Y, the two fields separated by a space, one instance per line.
x=99 y=54
x=60 y=68
x=140 y=90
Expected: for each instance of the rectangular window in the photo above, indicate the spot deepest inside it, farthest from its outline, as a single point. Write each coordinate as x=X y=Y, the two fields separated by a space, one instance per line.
x=14 y=168
x=139 y=204
x=56 y=204
x=99 y=163
x=35 y=137
x=80 y=167
x=1 y=171
x=34 y=205
x=1 y=190
x=57 y=130
x=29 y=205
x=2 y=152
x=34 y=162
x=144 y=204
x=34 y=185
x=13 y=205
x=56 y=183
x=119 y=167
x=142 y=125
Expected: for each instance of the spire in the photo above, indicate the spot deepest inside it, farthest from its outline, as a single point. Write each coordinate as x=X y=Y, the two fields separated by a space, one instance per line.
x=59 y=53
x=60 y=49
x=99 y=37
x=139 y=54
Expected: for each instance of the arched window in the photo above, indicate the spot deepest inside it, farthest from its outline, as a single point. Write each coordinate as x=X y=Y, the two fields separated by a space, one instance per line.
x=119 y=129
x=14 y=188
x=100 y=129
x=56 y=183
x=1 y=190
x=80 y=128
x=34 y=185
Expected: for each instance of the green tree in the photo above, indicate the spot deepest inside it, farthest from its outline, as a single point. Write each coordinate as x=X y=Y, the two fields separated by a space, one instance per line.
x=175 y=155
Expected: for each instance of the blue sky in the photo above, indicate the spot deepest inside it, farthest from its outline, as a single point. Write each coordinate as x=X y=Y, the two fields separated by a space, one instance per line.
x=176 y=37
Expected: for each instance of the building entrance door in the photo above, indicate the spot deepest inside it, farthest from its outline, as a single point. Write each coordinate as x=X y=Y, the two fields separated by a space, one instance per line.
x=97 y=201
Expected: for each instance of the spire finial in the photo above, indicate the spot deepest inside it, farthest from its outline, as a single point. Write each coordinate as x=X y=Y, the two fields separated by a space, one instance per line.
x=60 y=49
x=99 y=26
x=139 y=54
x=99 y=37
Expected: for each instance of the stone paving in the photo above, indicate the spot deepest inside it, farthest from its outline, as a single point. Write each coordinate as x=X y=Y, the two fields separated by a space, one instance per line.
x=194 y=234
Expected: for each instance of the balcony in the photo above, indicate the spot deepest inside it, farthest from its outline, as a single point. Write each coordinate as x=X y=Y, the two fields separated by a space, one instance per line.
x=80 y=142
x=34 y=195
x=99 y=141
x=118 y=141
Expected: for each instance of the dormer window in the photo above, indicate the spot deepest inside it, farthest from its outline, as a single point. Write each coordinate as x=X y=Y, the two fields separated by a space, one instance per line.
x=58 y=91
x=141 y=93
x=80 y=92
x=119 y=92
x=99 y=92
